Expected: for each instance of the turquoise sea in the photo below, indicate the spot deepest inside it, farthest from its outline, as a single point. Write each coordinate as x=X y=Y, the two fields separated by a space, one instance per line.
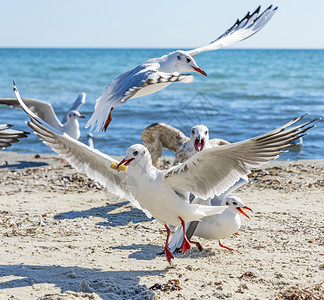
x=246 y=93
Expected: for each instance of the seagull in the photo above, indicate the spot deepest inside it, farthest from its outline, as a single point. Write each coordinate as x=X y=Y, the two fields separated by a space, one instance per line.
x=164 y=194
x=143 y=185
x=9 y=136
x=160 y=135
x=69 y=123
x=156 y=74
x=214 y=227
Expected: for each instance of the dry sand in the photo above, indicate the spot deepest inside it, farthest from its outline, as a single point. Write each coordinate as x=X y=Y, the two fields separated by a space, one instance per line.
x=65 y=237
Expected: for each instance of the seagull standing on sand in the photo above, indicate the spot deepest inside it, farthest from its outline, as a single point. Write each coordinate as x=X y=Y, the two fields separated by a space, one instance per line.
x=157 y=73
x=160 y=135
x=44 y=110
x=214 y=227
x=164 y=194
x=9 y=136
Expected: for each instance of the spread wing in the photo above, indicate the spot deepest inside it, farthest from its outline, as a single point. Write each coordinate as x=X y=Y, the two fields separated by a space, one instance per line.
x=42 y=109
x=9 y=136
x=241 y=30
x=160 y=135
x=80 y=100
x=84 y=159
x=213 y=171
x=135 y=83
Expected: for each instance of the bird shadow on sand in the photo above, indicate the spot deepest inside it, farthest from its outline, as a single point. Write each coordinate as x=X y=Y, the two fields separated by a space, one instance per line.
x=113 y=284
x=23 y=165
x=113 y=219
x=150 y=252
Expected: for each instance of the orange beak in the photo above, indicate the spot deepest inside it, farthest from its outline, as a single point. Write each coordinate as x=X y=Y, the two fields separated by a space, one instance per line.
x=200 y=71
x=125 y=162
x=243 y=212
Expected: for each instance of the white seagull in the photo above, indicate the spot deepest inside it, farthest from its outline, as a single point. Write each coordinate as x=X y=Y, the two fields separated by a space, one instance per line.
x=160 y=135
x=143 y=185
x=157 y=73
x=44 y=110
x=164 y=194
x=214 y=227
x=9 y=136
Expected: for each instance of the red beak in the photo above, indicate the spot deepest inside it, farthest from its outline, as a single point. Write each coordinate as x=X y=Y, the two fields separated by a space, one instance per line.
x=243 y=212
x=82 y=117
x=199 y=145
x=200 y=71
x=125 y=162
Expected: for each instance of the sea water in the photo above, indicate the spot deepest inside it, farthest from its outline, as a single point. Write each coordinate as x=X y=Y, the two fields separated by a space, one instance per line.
x=246 y=93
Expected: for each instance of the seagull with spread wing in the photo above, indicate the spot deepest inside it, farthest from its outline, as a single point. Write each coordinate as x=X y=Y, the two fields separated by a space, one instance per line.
x=164 y=194
x=9 y=136
x=155 y=74
x=44 y=110
x=160 y=136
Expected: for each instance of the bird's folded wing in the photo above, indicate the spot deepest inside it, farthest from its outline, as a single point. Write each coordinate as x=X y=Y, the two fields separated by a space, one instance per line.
x=9 y=136
x=218 y=142
x=213 y=171
x=241 y=30
x=92 y=162
x=80 y=100
x=160 y=136
x=42 y=109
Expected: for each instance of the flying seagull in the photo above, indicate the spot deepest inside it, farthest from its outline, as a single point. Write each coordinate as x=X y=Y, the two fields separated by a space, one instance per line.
x=157 y=73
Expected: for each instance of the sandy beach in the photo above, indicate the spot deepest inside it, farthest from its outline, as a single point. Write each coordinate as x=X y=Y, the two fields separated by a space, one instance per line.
x=64 y=236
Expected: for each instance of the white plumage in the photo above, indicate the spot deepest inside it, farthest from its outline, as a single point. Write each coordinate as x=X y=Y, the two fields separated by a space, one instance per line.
x=44 y=110
x=157 y=73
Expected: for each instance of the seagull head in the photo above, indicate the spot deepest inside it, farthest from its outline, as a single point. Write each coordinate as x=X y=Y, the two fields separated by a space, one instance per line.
x=73 y=115
x=186 y=63
x=199 y=137
x=236 y=205
x=136 y=155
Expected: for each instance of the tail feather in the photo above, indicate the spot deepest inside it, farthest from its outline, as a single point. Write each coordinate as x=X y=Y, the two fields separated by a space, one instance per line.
x=99 y=116
x=210 y=210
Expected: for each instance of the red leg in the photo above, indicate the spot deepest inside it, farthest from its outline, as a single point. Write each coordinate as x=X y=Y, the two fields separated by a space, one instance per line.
x=228 y=248
x=200 y=248
x=185 y=245
x=104 y=128
x=167 y=251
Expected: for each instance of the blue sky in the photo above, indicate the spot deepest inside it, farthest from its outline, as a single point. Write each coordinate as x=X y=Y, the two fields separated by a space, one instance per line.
x=156 y=24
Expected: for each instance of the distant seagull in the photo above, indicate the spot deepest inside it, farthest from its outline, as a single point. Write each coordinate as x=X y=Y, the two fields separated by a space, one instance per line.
x=45 y=111
x=9 y=136
x=160 y=135
x=157 y=73
x=90 y=140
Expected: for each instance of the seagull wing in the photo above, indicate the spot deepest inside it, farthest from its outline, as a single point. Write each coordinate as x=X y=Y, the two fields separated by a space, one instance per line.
x=80 y=100
x=9 y=136
x=218 y=142
x=135 y=83
x=84 y=159
x=213 y=171
x=160 y=135
x=42 y=109
x=241 y=30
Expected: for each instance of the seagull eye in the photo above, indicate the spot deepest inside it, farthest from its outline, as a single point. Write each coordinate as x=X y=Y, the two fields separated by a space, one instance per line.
x=192 y=131
x=227 y=203
x=206 y=132
x=135 y=153
x=234 y=203
x=188 y=60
